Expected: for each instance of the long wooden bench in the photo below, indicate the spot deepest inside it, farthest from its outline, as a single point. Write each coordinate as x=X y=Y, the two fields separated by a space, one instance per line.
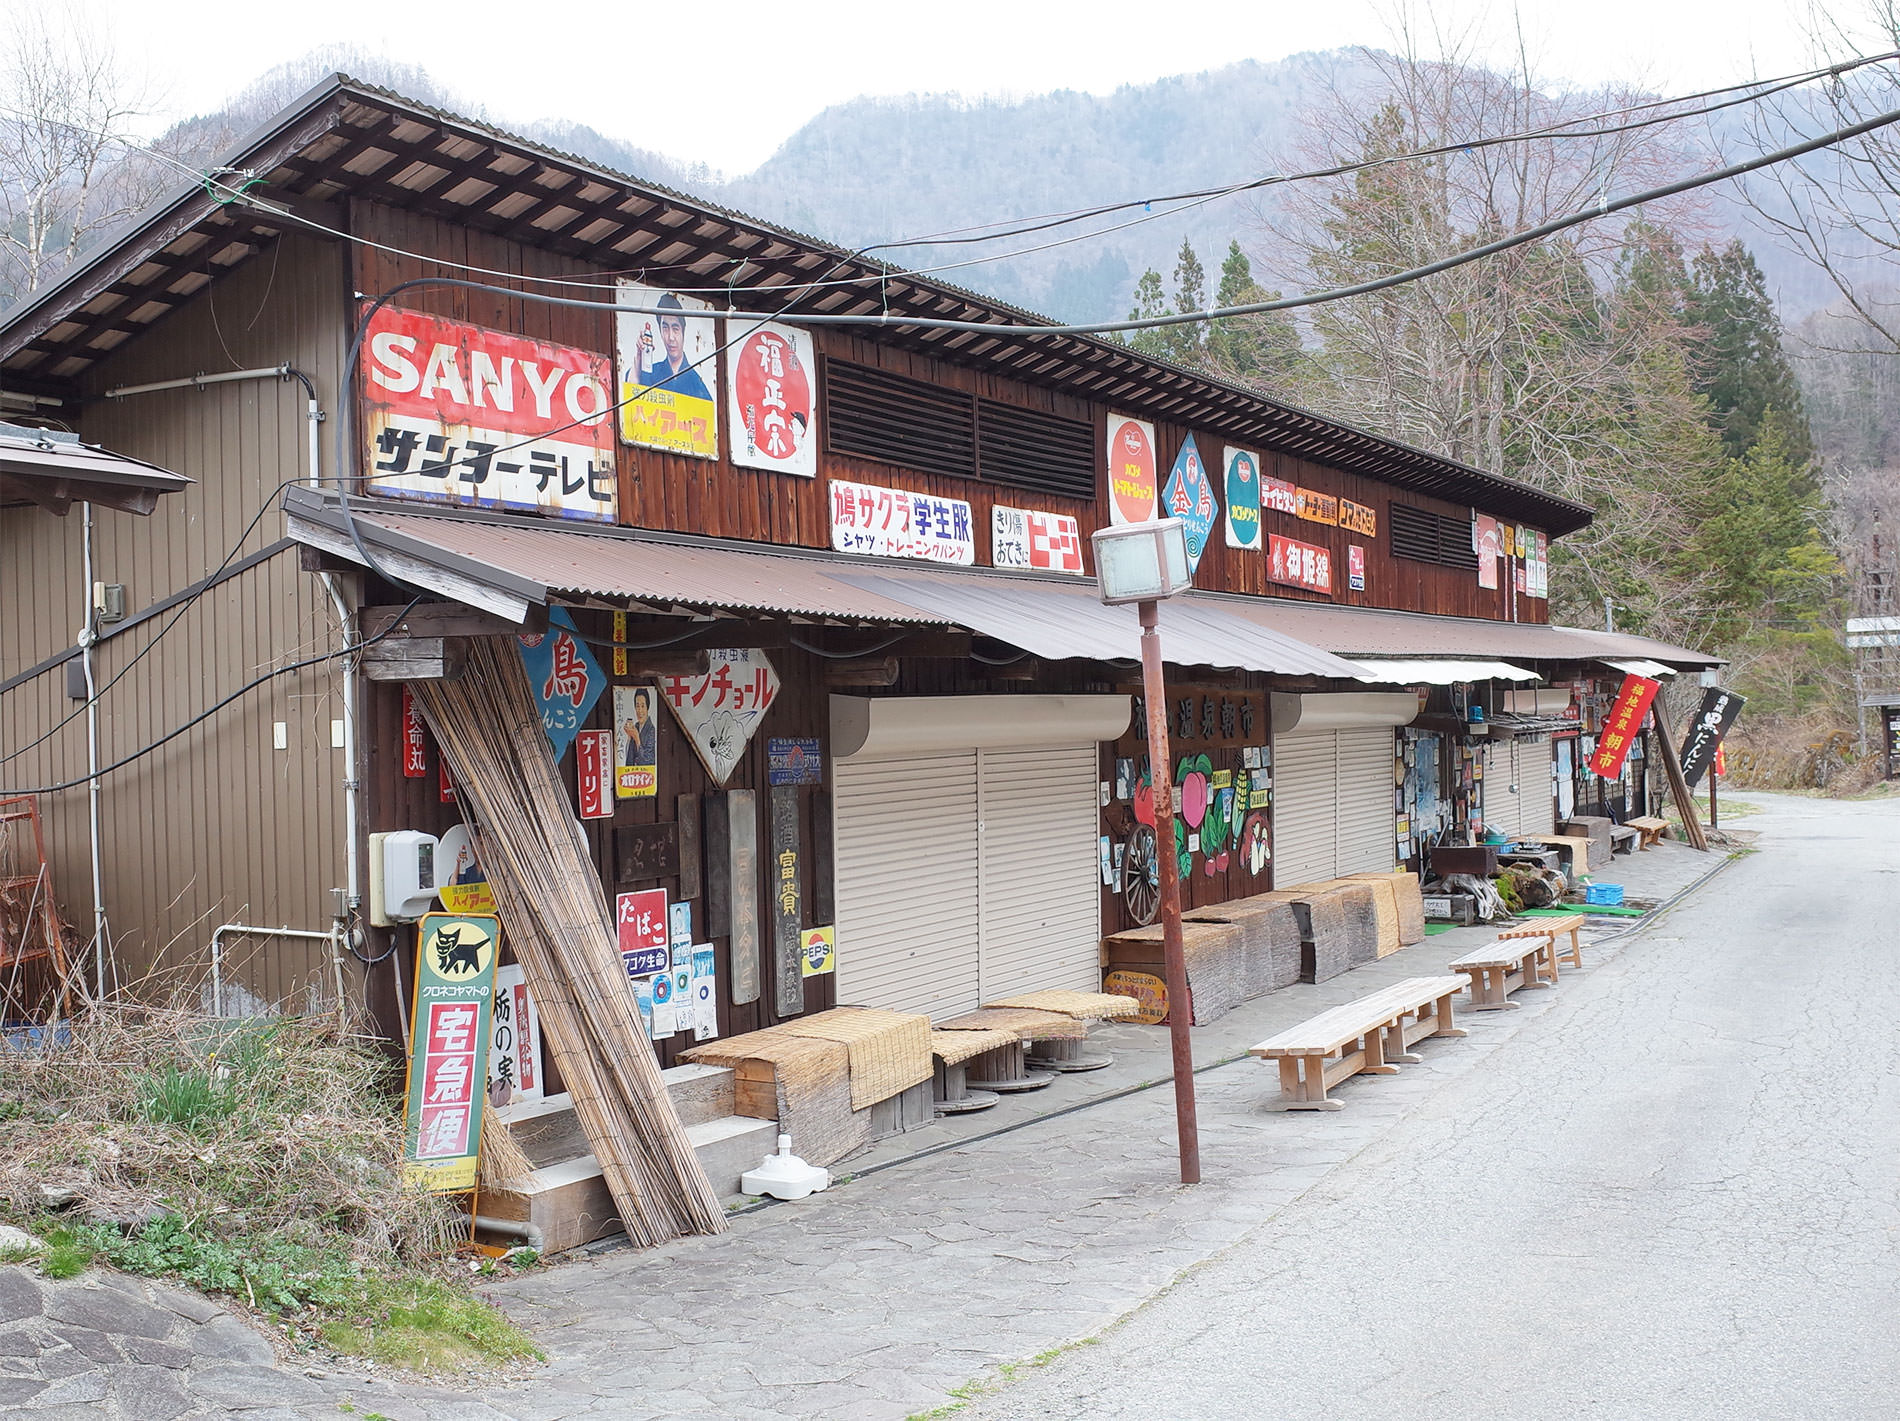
x=1369 y=1036
x=1653 y=830
x=1500 y=968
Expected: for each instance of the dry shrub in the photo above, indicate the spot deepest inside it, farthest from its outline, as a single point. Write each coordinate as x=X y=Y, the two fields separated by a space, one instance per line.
x=290 y=1126
x=1816 y=752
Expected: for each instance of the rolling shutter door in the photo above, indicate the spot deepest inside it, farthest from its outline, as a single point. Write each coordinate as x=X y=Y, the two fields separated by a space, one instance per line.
x=1304 y=849
x=1040 y=893
x=1536 y=789
x=1525 y=763
x=906 y=856
x=1363 y=795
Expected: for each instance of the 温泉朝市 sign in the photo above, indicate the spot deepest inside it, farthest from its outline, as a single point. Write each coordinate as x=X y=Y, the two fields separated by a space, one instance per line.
x=448 y=1051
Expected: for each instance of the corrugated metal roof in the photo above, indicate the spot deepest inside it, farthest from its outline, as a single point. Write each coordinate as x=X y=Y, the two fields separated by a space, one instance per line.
x=1399 y=671
x=1640 y=667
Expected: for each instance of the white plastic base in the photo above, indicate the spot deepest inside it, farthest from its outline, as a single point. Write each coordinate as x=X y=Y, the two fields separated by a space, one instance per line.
x=784 y=1175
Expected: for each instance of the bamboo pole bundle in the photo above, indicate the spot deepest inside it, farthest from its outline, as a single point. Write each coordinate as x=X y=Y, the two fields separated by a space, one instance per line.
x=557 y=917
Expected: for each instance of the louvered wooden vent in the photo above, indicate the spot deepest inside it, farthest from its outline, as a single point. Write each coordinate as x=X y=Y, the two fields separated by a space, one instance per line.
x=1030 y=449
x=874 y=414
x=1424 y=536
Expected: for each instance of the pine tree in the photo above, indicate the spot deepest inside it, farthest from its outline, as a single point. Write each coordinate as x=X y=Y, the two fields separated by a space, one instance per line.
x=1743 y=369
x=1262 y=349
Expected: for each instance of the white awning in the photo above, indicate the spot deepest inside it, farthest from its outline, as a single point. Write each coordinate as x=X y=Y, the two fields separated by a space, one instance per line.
x=1650 y=669
x=1440 y=673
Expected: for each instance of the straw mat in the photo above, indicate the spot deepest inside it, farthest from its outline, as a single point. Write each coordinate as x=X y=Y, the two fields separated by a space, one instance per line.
x=1409 y=897
x=955 y=1047
x=1270 y=940
x=1083 y=1006
x=1385 y=908
x=813 y=1082
x=889 y=1051
x=1027 y=1024
x=1216 y=959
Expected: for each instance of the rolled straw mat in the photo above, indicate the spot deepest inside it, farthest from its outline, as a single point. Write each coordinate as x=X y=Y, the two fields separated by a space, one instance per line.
x=813 y=1081
x=1385 y=908
x=889 y=1050
x=1083 y=1006
x=1270 y=941
x=1409 y=898
x=955 y=1047
x=1028 y=1025
x=1216 y=958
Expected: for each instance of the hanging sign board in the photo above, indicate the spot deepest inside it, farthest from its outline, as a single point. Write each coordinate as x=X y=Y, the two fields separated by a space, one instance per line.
x=514 y=1043
x=1243 y=497
x=668 y=371
x=455 y=413
x=1189 y=496
x=1704 y=739
x=1299 y=564
x=1131 y=470
x=720 y=710
x=594 y=773
x=415 y=746
x=640 y=919
x=893 y=523
x=448 y=1049
x=773 y=398
x=1622 y=725
x=1049 y=542
x=565 y=678
x=818 y=951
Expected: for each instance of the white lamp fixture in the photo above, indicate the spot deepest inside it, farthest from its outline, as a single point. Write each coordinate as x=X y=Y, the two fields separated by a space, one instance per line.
x=1142 y=562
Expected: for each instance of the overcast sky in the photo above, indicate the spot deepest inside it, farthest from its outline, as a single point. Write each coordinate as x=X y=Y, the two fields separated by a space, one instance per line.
x=724 y=82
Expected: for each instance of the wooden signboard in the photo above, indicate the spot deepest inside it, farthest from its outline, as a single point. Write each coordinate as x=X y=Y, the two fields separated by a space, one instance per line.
x=732 y=889
x=644 y=851
x=688 y=814
x=788 y=904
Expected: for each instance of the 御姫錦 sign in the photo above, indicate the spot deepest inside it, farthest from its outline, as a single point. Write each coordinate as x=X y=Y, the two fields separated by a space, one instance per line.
x=461 y=414
x=1021 y=537
x=1704 y=740
x=720 y=710
x=1132 y=463
x=1299 y=564
x=893 y=523
x=1621 y=726
x=772 y=393
x=668 y=372
x=448 y=1050
x=1243 y=497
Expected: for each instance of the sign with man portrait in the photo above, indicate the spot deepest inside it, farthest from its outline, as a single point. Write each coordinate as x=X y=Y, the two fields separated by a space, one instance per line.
x=668 y=372
x=636 y=742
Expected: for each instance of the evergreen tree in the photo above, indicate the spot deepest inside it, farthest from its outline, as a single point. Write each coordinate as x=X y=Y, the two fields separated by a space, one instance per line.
x=1150 y=302
x=1743 y=369
x=1263 y=349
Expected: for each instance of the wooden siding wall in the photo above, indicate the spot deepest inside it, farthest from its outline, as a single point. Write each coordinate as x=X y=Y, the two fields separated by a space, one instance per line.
x=715 y=498
x=216 y=826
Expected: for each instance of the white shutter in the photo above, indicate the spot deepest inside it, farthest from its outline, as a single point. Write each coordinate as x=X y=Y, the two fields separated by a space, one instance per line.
x=906 y=882
x=1536 y=788
x=1040 y=892
x=1363 y=826
x=1304 y=844
x=1526 y=764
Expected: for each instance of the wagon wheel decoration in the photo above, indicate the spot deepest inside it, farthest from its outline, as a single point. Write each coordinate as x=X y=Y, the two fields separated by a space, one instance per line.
x=1141 y=875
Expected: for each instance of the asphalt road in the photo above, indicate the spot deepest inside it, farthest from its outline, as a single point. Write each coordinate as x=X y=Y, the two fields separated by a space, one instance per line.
x=1671 y=1195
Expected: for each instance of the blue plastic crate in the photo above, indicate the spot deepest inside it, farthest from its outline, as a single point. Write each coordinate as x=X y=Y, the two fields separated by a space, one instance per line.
x=1604 y=895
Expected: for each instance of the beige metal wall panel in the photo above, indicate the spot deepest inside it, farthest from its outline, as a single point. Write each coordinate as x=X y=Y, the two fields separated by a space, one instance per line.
x=1363 y=821
x=1040 y=885
x=217 y=825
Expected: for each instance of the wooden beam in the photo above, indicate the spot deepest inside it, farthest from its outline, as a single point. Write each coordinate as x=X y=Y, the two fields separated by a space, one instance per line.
x=415 y=659
x=878 y=671
x=440 y=619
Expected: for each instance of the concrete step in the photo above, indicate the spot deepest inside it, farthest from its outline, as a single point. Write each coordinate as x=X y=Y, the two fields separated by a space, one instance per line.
x=549 y=1133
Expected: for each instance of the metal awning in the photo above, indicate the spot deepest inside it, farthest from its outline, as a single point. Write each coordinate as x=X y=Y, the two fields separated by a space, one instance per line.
x=1639 y=667
x=55 y=471
x=1399 y=672
x=505 y=565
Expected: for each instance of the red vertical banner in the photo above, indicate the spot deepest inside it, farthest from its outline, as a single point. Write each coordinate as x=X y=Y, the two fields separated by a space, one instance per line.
x=415 y=745
x=594 y=771
x=1621 y=726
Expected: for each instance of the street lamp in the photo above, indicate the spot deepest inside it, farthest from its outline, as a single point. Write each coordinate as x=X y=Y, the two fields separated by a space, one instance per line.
x=1142 y=563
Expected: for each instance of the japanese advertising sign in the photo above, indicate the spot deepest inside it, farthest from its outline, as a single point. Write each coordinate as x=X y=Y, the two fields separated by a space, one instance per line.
x=514 y=1042
x=1357 y=518
x=1537 y=567
x=1704 y=740
x=636 y=747
x=1355 y=567
x=594 y=773
x=1131 y=470
x=795 y=762
x=640 y=919
x=1243 y=497
x=720 y=710
x=1487 y=540
x=818 y=951
x=668 y=372
x=415 y=751
x=772 y=396
x=891 y=523
x=1279 y=495
x=454 y=998
x=1299 y=564
x=460 y=880
x=1189 y=496
x=1622 y=724
x=1315 y=507
x=460 y=414
x=565 y=678
x=1049 y=542
x=705 y=1016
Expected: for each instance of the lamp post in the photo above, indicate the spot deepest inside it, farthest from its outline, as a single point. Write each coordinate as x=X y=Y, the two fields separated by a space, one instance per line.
x=1143 y=563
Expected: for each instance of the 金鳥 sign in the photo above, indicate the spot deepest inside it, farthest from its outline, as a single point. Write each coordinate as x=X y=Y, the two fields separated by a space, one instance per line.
x=1189 y=496
x=720 y=710
x=892 y=523
x=1131 y=470
x=1020 y=537
x=594 y=773
x=1704 y=740
x=564 y=676
x=1621 y=726
x=1243 y=497
x=668 y=372
x=448 y=1049
x=640 y=919
x=1299 y=564
x=773 y=399
x=460 y=414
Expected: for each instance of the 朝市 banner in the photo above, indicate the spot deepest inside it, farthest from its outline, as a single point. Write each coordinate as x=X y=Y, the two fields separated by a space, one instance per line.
x=1131 y=470
x=669 y=372
x=1621 y=726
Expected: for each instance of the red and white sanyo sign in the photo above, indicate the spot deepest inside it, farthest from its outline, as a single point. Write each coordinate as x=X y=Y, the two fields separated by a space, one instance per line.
x=461 y=414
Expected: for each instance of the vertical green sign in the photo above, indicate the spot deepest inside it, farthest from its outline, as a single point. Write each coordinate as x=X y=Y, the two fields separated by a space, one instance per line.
x=448 y=1052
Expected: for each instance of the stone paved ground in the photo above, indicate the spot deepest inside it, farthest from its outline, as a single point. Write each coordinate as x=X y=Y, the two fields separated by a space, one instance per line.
x=883 y=1296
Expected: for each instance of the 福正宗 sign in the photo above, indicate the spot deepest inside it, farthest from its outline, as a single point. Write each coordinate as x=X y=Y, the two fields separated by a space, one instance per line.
x=461 y=414
x=1358 y=518
x=1189 y=496
x=668 y=372
x=514 y=1042
x=1243 y=497
x=1299 y=564
x=448 y=1049
x=1622 y=724
x=1315 y=507
x=773 y=399
x=1021 y=537
x=640 y=919
x=720 y=710
x=594 y=773
x=1704 y=740
x=1131 y=469
x=893 y=523
x=818 y=951
x=794 y=761
x=564 y=676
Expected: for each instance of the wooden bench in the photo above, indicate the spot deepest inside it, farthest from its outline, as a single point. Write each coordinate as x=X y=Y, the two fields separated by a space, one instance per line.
x=1523 y=959
x=1653 y=830
x=1623 y=839
x=1369 y=1036
x=1554 y=928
